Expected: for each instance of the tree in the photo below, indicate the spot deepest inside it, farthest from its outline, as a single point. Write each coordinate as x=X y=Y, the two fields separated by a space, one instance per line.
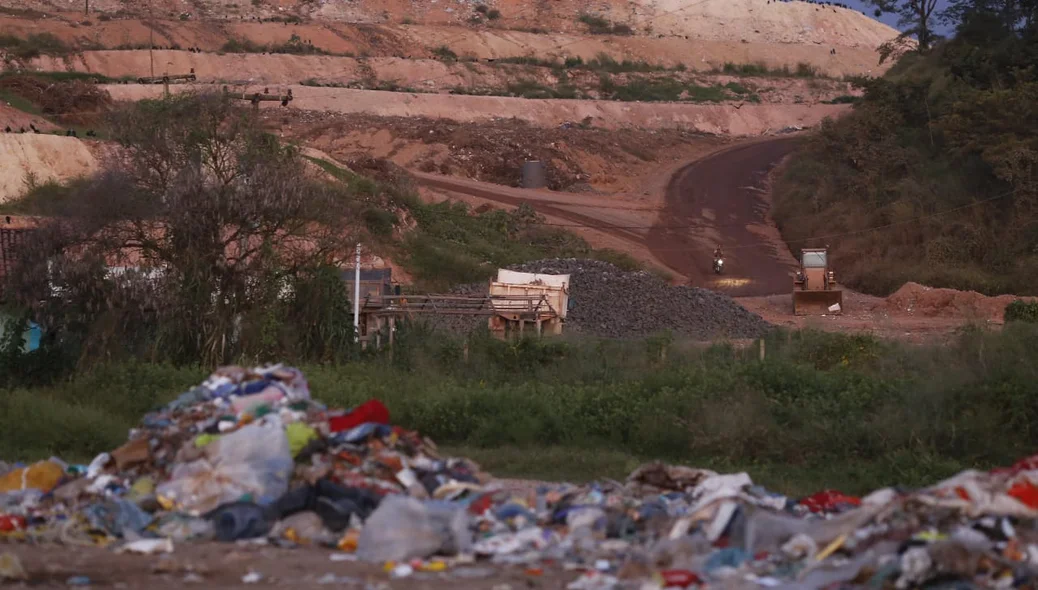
x=190 y=244
x=996 y=16
x=916 y=16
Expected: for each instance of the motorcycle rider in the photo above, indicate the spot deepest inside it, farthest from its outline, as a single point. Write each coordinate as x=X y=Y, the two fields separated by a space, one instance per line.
x=718 y=257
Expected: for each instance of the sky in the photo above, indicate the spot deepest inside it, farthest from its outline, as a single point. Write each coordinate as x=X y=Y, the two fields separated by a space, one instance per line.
x=891 y=19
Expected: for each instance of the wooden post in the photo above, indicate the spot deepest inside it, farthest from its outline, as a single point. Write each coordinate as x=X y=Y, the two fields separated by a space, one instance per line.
x=378 y=340
x=762 y=350
x=465 y=352
x=392 y=329
x=538 y=328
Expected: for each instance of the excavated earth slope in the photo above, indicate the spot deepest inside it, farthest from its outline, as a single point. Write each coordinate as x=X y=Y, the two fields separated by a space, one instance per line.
x=719 y=20
x=30 y=158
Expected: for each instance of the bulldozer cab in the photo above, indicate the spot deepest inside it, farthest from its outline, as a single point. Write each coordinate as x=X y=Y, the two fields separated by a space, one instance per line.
x=814 y=288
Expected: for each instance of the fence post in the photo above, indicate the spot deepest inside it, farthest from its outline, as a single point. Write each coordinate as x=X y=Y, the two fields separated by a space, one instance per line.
x=762 y=350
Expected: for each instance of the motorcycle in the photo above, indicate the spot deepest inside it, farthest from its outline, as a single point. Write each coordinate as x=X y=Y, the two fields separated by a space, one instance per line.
x=718 y=265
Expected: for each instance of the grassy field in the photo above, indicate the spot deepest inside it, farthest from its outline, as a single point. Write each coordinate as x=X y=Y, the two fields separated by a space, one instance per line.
x=823 y=410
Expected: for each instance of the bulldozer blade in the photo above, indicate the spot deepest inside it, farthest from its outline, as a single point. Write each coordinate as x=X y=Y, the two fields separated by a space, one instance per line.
x=818 y=302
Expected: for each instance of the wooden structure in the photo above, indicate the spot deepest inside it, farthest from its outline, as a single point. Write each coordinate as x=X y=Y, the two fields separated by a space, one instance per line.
x=257 y=97
x=168 y=78
x=516 y=303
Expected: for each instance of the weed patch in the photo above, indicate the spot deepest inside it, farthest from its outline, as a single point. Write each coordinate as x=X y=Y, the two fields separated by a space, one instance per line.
x=822 y=410
x=33 y=46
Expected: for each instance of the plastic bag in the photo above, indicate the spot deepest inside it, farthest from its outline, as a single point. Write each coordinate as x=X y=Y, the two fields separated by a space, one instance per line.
x=253 y=462
x=117 y=517
x=43 y=476
x=403 y=528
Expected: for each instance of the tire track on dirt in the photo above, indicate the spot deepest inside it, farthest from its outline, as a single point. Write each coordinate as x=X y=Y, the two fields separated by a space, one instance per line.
x=546 y=208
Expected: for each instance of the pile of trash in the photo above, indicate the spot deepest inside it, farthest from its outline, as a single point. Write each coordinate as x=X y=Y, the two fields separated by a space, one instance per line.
x=249 y=455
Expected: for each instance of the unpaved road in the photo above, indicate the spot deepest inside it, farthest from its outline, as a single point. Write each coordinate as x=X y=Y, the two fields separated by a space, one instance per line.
x=717 y=119
x=721 y=199
x=718 y=199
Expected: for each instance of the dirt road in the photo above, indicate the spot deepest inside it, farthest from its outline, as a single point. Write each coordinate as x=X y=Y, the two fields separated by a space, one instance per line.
x=721 y=199
x=717 y=119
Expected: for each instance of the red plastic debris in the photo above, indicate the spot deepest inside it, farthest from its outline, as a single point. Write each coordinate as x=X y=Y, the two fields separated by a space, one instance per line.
x=9 y=524
x=829 y=501
x=679 y=578
x=1025 y=492
x=369 y=411
x=1025 y=464
x=481 y=504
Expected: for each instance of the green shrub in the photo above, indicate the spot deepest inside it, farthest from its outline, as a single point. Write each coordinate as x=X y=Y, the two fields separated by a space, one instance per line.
x=596 y=25
x=737 y=88
x=33 y=46
x=821 y=410
x=243 y=45
x=444 y=53
x=379 y=221
x=844 y=99
x=1022 y=311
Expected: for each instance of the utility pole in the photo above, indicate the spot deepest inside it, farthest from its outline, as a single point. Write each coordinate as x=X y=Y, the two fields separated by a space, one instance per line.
x=165 y=80
x=356 y=298
x=151 y=36
x=86 y=7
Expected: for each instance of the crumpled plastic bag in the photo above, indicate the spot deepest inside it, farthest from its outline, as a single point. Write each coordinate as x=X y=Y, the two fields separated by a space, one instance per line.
x=43 y=476
x=117 y=517
x=977 y=493
x=254 y=461
x=404 y=528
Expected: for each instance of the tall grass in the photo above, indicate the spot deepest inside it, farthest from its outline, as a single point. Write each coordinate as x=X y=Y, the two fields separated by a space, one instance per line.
x=821 y=409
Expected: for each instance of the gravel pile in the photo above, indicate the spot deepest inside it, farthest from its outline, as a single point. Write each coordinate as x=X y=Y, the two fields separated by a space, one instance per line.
x=606 y=301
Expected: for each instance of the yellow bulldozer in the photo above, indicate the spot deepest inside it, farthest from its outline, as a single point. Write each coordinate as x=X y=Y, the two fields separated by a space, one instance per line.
x=814 y=288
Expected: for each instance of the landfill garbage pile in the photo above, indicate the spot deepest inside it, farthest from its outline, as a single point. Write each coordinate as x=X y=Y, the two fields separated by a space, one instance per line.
x=248 y=455
x=608 y=302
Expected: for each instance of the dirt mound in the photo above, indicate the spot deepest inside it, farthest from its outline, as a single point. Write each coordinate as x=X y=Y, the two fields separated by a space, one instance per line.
x=66 y=101
x=491 y=151
x=608 y=302
x=28 y=158
x=20 y=120
x=916 y=299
